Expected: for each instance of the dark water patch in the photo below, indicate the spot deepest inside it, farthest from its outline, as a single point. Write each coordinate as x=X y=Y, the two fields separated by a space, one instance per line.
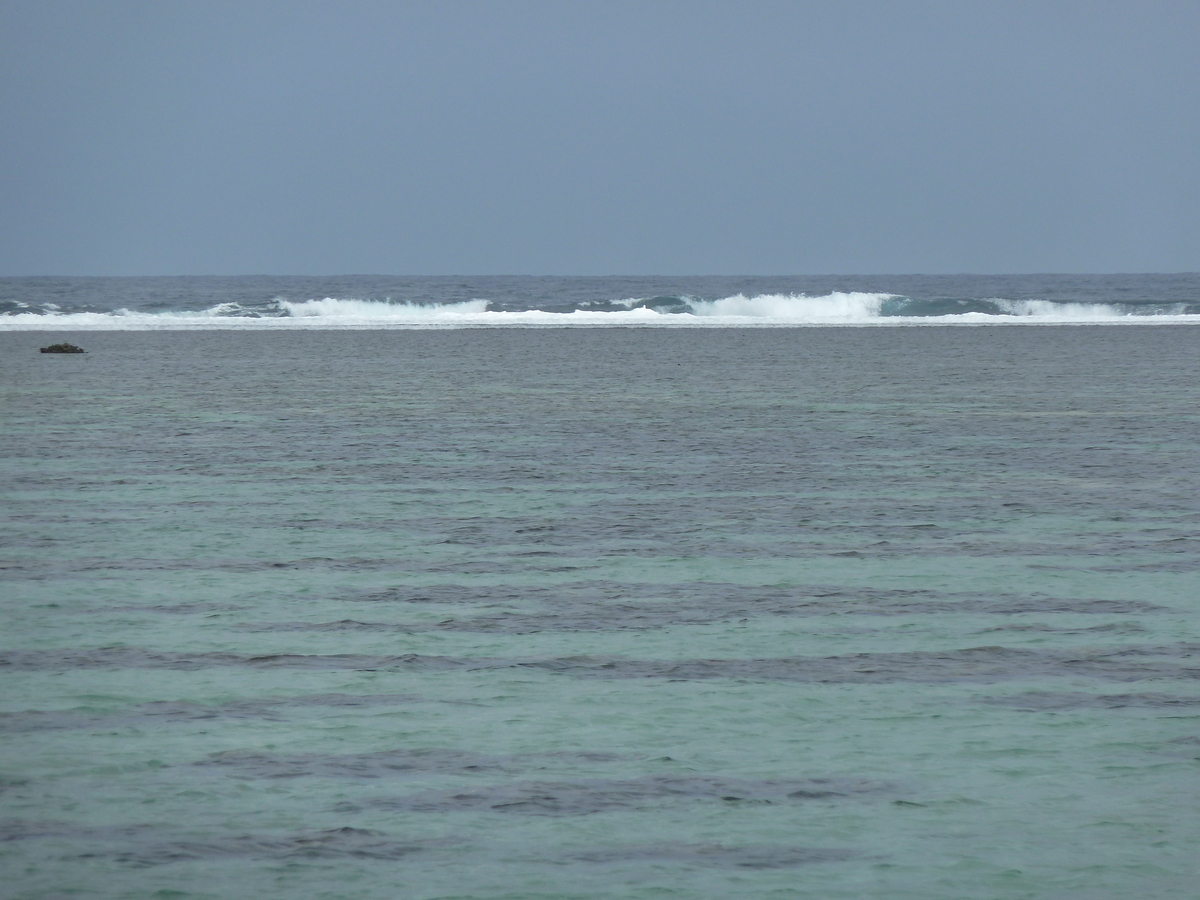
x=168 y=711
x=147 y=845
x=626 y=616
x=1190 y=741
x=390 y=763
x=96 y=566
x=1048 y=700
x=573 y=798
x=760 y=856
x=1187 y=747
x=974 y=664
x=789 y=525
x=1016 y=606
x=341 y=625
x=610 y=606
x=181 y=609
x=356 y=765
x=1110 y=628
x=140 y=658
x=19 y=829
x=624 y=523
x=360 y=701
x=1190 y=564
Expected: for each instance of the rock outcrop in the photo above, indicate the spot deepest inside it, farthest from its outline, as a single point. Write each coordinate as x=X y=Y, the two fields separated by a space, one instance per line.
x=63 y=348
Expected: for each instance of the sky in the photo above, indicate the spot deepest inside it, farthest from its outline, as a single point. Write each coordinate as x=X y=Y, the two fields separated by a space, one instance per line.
x=594 y=138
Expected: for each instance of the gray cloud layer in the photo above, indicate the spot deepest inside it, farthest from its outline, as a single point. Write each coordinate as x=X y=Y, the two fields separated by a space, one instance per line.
x=598 y=137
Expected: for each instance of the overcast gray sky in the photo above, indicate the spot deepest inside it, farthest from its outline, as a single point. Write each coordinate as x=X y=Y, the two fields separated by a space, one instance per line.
x=564 y=137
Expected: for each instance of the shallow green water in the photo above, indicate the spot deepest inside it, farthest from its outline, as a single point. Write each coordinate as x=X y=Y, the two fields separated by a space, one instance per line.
x=862 y=613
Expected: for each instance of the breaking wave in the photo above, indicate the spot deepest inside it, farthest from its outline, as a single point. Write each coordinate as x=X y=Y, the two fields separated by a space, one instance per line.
x=740 y=310
x=332 y=307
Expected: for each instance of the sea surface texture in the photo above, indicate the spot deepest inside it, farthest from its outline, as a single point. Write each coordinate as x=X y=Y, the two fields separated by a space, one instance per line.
x=894 y=613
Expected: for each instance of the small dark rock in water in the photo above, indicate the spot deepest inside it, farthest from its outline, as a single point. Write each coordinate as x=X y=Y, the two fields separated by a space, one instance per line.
x=63 y=348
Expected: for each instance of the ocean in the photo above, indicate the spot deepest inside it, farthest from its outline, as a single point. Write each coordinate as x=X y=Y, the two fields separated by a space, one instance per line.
x=716 y=301
x=450 y=588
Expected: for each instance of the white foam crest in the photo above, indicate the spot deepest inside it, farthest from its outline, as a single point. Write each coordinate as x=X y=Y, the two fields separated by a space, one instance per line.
x=797 y=308
x=376 y=309
x=627 y=303
x=764 y=310
x=1083 y=311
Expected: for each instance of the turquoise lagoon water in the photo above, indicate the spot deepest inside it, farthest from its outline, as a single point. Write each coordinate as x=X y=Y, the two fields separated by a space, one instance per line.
x=552 y=613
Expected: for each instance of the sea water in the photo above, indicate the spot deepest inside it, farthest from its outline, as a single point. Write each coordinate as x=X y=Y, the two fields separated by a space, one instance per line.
x=476 y=612
x=374 y=302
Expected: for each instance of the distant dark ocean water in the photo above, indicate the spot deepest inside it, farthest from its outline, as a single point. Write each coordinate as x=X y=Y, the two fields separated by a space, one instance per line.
x=704 y=613
x=379 y=301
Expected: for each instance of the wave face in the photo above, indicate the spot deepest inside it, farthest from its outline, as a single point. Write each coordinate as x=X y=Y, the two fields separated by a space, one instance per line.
x=83 y=304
